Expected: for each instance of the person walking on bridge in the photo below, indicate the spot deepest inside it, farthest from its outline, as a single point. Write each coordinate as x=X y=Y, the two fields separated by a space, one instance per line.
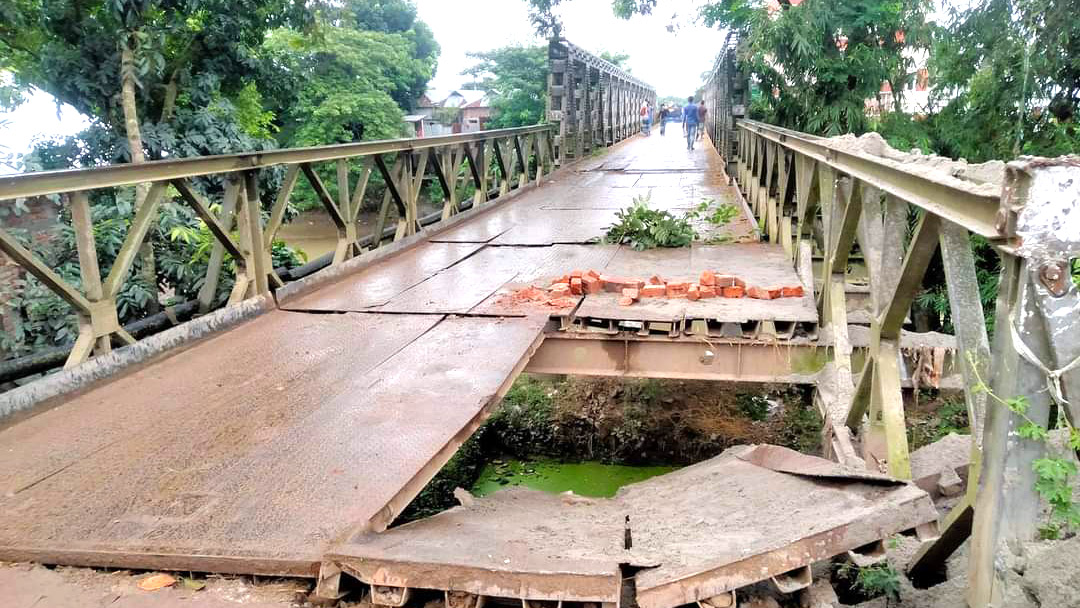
x=690 y=122
x=646 y=119
x=664 y=113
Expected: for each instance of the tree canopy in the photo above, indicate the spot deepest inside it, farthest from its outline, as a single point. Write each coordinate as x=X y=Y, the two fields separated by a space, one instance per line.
x=516 y=79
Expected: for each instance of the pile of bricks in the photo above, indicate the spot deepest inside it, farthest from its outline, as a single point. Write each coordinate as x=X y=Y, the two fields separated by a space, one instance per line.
x=630 y=290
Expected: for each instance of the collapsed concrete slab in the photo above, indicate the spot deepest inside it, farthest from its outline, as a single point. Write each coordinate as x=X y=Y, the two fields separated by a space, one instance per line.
x=752 y=514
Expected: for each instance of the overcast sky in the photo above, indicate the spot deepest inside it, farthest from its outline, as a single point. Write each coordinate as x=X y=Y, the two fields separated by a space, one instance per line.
x=671 y=62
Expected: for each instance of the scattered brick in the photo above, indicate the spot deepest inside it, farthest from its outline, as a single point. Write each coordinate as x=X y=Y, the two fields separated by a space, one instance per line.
x=575 y=286
x=728 y=280
x=591 y=284
x=653 y=291
x=631 y=292
x=677 y=290
x=795 y=291
x=592 y=273
x=563 y=279
x=561 y=302
x=774 y=292
x=693 y=293
x=626 y=301
x=655 y=280
x=708 y=278
x=707 y=292
x=577 y=274
x=759 y=293
x=734 y=292
x=560 y=289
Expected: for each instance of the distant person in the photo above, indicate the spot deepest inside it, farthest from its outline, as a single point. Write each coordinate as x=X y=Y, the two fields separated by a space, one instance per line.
x=646 y=119
x=702 y=112
x=664 y=114
x=690 y=122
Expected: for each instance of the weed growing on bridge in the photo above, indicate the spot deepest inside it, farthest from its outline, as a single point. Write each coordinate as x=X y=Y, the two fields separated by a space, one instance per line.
x=717 y=214
x=871 y=581
x=1053 y=472
x=643 y=227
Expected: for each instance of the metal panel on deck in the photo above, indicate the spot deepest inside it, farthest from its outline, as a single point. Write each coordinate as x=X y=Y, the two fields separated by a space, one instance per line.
x=253 y=450
x=377 y=284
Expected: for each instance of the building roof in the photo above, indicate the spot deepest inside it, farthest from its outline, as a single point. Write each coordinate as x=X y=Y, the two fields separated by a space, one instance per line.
x=437 y=98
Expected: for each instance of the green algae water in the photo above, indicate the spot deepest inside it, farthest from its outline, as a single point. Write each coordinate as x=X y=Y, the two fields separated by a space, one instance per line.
x=584 y=478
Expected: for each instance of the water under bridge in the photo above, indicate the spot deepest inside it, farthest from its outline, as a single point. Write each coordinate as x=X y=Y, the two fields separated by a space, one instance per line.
x=284 y=433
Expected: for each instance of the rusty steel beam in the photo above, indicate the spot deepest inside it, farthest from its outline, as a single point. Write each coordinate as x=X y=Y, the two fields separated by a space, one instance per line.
x=975 y=211
x=742 y=360
x=72 y=180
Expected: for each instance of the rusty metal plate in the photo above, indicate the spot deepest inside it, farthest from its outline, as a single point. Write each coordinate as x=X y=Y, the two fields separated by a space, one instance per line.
x=215 y=460
x=715 y=526
x=175 y=460
x=552 y=226
x=516 y=543
x=377 y=284
x=468 y=283
x=726 y=523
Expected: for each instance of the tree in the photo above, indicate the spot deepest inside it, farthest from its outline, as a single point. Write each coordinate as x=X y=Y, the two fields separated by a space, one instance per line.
x=516 y=78
x=619 y=60
x=1010 y=74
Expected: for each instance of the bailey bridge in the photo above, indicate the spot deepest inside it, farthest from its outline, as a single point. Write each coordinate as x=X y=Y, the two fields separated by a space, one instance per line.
x=284 y=433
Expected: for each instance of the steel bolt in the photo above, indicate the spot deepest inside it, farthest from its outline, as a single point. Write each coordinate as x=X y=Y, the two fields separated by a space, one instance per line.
x=1054 y=277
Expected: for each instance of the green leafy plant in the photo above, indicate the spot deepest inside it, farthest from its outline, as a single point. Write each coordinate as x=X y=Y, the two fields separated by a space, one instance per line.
x=871 y=581
x=880 y=579
x=642 y=227
x=717 y=214
x=1053 y=472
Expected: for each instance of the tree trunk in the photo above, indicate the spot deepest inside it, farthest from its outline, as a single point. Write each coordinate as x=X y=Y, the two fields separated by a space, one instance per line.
x=134 y=137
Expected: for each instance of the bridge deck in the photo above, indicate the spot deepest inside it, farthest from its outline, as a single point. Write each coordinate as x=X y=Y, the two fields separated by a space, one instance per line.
x=255 y=450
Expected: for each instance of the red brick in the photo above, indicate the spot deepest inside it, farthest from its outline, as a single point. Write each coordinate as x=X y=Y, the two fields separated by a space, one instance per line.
x=563 y=279
x=794 y=291
x=655 y=280
x=677 y=290
x=734 y=292
x=631 y=292
x=610 y=283
x=625 y=301
x=575 y=286
x=560 y=289
x=693 y=294
x=707 y=292
x=759 y=293
x=576 y=274
x=591 y=285
x=653 y=291
x=561 y=302
x=708 y=278
x=592 y=273
x=774 y=292
x=728 y=280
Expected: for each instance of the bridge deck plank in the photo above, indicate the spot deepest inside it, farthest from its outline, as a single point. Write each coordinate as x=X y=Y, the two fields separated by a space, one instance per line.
x=213 y=460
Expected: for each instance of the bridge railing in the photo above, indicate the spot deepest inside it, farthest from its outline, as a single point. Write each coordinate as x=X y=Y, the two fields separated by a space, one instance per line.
x=592 y=102
x=492 y=162
x=822 y=199
x=726 y=94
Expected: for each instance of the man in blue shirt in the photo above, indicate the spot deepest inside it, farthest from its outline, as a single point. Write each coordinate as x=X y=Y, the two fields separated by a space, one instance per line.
x=690 y=121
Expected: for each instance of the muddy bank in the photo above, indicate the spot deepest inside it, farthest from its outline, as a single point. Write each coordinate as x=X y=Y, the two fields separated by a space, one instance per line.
x=625 y=422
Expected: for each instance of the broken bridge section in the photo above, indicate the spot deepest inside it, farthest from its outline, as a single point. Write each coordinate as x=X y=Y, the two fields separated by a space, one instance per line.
x=752 y=514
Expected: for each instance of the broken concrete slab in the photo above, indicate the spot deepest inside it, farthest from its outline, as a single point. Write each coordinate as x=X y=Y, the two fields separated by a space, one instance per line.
x=752 y=514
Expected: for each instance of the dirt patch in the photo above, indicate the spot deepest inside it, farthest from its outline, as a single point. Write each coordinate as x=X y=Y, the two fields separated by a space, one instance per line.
x=34 y=586
x=983 y=178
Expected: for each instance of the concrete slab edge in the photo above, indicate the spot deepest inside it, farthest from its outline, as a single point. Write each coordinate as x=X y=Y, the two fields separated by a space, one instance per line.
x=914 y=508
x=21 y=401
x=490 y=582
